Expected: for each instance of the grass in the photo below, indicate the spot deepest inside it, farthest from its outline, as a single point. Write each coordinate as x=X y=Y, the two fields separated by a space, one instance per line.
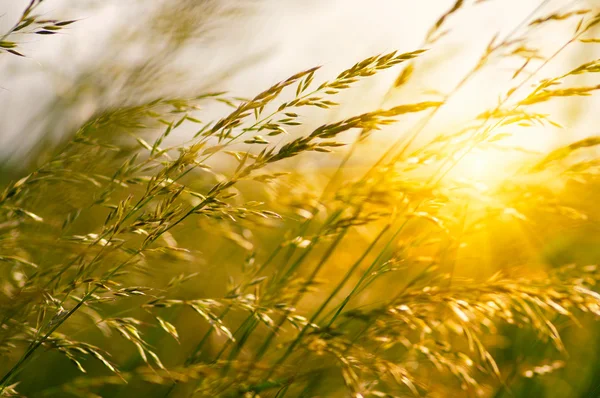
x=215 y=267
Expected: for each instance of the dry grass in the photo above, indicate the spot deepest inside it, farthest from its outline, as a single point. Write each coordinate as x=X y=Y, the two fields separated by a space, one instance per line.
x=213 y=268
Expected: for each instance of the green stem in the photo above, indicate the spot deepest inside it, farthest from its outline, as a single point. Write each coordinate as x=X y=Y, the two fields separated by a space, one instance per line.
x=262 y=350
x=335 y=291
x=382 y=253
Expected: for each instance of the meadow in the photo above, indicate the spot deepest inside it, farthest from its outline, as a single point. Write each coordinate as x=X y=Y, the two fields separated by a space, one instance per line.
x=152 y=252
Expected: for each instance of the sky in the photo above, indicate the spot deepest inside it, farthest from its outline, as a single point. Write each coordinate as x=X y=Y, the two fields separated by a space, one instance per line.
x=273 y=39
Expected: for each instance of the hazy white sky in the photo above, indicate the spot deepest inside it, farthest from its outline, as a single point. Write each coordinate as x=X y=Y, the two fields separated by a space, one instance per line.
x=292 y=34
